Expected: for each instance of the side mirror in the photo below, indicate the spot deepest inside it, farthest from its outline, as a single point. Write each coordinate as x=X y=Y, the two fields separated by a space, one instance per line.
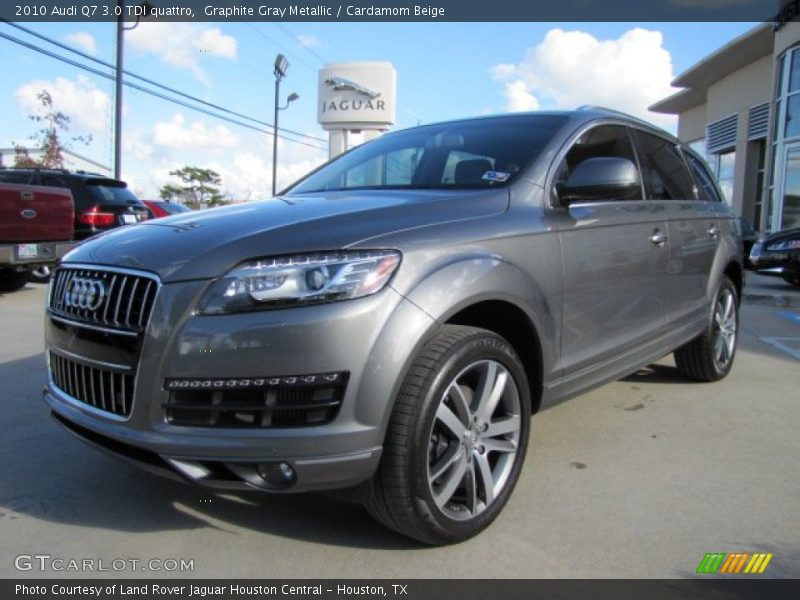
x=601 y=178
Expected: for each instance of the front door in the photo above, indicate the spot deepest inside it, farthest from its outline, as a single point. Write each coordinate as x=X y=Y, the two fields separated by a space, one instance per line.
x=614 y=264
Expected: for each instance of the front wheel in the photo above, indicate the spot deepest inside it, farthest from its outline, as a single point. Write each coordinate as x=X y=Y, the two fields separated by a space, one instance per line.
x=791 y=278
x=456 y=439
x=709 y=357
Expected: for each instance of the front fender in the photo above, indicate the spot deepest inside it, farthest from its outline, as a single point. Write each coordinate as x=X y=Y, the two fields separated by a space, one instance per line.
x=474 y=279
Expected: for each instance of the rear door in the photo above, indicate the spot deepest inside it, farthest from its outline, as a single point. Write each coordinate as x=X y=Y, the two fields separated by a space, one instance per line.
x=693 y=227
x=614 y=273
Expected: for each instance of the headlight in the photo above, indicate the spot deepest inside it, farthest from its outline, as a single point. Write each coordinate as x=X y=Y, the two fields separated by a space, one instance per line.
x=301 y=279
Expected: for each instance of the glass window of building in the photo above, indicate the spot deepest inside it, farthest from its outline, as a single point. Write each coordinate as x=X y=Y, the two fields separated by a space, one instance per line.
x=783 y=212
x=724 y=170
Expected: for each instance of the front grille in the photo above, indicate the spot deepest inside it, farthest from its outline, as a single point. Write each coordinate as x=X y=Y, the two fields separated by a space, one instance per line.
x=280 y=405
x=103 y=297
x=104 y=389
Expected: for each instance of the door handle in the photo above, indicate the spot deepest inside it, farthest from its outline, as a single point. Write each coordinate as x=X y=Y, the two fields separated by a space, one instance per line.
x=713 y=231
x=658 y=237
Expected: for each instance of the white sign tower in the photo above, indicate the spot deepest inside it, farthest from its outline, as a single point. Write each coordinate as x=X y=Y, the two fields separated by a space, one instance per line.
x=356 y=97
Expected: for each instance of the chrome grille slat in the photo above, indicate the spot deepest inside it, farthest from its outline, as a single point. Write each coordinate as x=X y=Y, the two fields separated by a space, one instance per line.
x=110 y=295
x=146 y=295
x=103 y=390
x=126 y=303
x=131 y=296
x=119 y=300
x=80 y=381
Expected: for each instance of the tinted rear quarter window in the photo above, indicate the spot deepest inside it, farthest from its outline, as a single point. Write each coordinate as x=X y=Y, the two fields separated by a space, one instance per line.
x=664 y=170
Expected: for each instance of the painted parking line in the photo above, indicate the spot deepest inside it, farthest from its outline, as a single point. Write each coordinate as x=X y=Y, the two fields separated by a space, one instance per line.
x=787 y=345
x=794 y=317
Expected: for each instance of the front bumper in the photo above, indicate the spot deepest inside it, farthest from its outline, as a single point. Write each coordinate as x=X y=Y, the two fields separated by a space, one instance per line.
x=372 y=339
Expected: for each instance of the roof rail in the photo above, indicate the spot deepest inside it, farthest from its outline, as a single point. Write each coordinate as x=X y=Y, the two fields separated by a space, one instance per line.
x=615 y=112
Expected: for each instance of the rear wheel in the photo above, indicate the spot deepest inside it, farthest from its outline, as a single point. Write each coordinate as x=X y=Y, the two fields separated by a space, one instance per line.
x=456 y=440
x=11 y=280
x=709 y=356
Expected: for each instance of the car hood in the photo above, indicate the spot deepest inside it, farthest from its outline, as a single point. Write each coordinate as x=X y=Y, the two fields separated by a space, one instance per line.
x=208 y=243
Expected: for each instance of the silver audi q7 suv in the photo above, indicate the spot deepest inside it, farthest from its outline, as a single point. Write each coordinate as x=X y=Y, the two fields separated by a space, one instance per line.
x=388 y=324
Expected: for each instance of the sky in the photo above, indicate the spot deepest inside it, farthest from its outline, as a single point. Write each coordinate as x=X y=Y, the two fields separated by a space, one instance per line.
x=444 y=71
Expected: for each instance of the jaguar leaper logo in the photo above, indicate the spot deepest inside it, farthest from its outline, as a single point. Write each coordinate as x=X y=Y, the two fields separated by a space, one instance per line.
x=340 y=83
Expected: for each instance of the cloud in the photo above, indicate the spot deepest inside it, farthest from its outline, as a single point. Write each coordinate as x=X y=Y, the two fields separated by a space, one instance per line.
x=84 y=41
x=179 y=134
x=246 y=172
x=182 y=44
x=571 y=68
x=135 y=145
x=309 y=41
x=518 y=98
x=88 y=107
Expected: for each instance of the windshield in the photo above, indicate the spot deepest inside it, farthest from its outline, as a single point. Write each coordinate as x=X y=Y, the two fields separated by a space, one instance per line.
x=468 y=154
x=171 y=207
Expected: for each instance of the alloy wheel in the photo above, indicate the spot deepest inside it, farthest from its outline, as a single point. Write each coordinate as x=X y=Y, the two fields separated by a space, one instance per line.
x=725 y=324
x=474 y=440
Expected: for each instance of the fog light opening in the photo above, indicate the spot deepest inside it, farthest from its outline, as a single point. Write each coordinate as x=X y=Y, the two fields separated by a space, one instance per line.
x=277 y=475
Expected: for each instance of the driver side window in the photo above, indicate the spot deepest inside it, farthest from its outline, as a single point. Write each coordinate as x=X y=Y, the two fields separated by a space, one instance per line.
x=604 y=141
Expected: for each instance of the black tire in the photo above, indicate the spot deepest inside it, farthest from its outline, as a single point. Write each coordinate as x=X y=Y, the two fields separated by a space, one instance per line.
x=792 y=279
x=406 y=493
x=11 y=280
x=709 y=357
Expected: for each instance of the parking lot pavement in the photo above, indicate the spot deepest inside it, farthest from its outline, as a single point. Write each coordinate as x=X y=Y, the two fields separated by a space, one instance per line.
x=770 y=291
x=639 y=478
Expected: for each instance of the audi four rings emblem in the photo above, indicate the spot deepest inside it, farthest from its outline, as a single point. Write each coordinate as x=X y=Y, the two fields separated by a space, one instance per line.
x=85 y=293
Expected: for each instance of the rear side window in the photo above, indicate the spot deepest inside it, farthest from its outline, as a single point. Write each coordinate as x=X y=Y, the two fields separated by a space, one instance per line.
x=706 y=190
x=15 y=177
x=52 y=180
x=665 y=172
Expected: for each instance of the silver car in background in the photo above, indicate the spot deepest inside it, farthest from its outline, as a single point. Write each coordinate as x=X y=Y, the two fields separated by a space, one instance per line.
x=389 y=323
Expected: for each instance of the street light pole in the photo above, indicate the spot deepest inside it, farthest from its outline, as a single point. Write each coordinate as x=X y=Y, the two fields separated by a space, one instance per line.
x=275 y=134
x=118 y=94
x=281 y=68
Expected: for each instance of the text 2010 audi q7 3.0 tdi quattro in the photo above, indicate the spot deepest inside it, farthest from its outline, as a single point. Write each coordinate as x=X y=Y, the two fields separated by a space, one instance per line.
x=390 y=322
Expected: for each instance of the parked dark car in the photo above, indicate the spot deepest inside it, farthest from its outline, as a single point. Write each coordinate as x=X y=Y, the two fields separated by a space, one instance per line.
x=778 y=255
x=160 y=208
x=390 y=322
x=101 y=203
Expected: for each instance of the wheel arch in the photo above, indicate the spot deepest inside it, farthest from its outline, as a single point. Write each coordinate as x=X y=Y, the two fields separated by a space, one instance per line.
x=511 y=323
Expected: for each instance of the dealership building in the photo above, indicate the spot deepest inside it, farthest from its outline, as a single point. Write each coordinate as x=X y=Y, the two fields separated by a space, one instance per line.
x=740 y=107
